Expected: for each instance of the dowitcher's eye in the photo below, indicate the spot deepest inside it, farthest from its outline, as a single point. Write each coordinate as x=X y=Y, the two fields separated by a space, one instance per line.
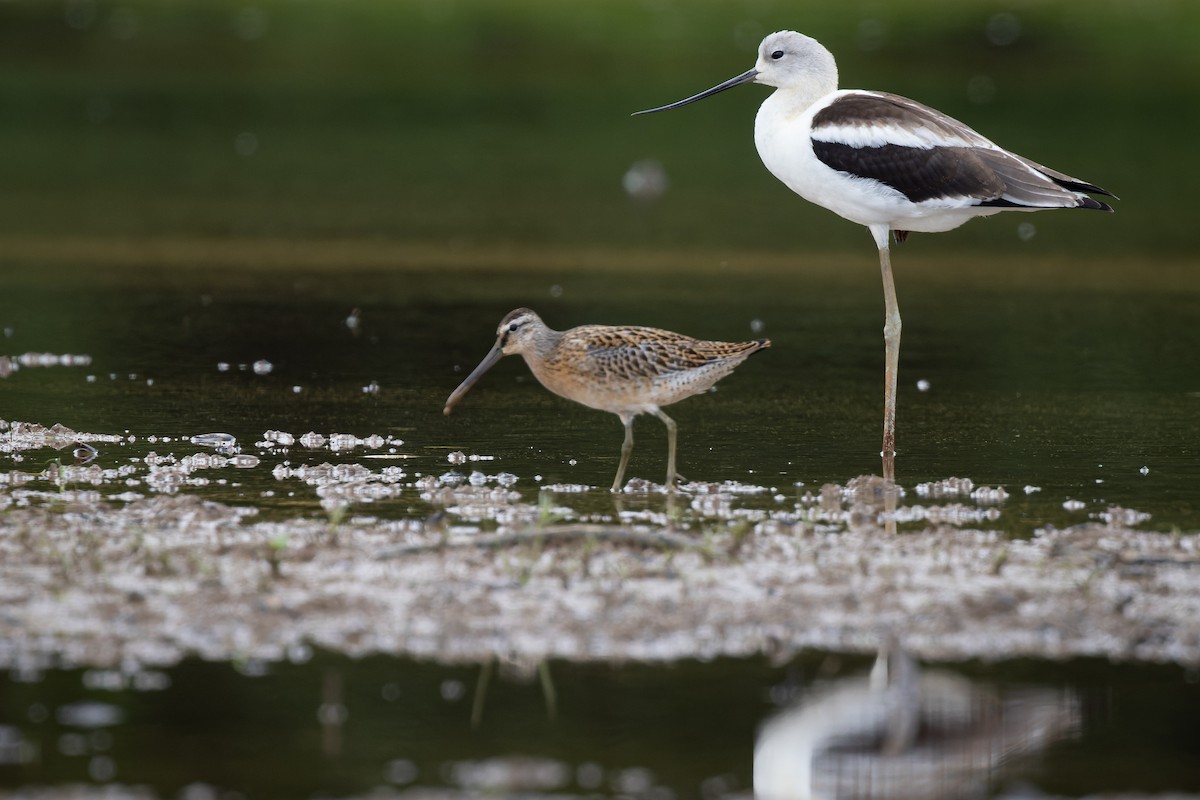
x=513 y=328
x=778 y=54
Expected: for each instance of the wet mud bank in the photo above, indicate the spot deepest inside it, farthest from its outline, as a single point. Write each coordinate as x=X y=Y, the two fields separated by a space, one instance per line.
x=83 y=582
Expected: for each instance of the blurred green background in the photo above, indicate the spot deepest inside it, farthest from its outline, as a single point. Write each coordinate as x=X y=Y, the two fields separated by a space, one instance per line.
x=459 y=124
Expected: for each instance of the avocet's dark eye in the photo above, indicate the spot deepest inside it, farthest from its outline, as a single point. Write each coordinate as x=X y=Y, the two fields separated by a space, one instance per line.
x=778 y=54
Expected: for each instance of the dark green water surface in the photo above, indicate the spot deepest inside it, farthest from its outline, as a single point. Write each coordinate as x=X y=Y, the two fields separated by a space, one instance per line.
x=1074 y=393
x=320 y=726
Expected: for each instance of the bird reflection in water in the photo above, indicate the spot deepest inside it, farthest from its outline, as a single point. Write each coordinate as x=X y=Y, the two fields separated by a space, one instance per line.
x=904 y=732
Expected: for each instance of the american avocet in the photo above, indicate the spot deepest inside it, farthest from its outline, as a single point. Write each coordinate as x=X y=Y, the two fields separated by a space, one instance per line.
x=903 y=732
x=886 y=162
x=624 y=370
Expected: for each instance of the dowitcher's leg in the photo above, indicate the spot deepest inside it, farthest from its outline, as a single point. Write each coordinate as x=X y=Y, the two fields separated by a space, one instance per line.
x=670 y=423
x=626 y=449
x=891 y=365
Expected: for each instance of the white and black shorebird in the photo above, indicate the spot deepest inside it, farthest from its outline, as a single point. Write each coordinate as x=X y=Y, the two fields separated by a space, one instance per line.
x=886 y=162
x=906 y=733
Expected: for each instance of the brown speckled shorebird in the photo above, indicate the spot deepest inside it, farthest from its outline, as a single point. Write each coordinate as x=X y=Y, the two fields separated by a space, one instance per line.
x=626 y=370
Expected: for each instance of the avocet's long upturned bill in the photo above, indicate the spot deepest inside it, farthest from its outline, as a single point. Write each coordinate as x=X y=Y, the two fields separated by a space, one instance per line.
x=886 y=162
x=626 y=370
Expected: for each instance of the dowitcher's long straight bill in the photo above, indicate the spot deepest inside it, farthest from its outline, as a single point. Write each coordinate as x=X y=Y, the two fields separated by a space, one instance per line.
x=488 y=361
x=746 y=77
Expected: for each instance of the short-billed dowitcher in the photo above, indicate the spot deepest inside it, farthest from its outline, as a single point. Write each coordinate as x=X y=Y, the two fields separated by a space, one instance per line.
x=626 y=370
x=886 y=162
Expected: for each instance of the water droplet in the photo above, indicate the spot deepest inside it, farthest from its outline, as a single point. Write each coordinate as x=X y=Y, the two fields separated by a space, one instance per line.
x=400 y=770
x=281 y=438
x=1026 y=231
x=312 y=439
x=263 y=367
x=72 y=744
x=250 y=22
x=1144 y=470
x=151 y=681
x=452 y=690
x=646 y=180
x=102 y=769
x=90 y=715
x=80 y=14
x=245 y=144
x=589 y=775
x=221 y=441
x=1002 y=29
x=923 y=385
x=981 y=89
x=332 y=714
x=343 y=441
x=871 y=34
x=124 y=22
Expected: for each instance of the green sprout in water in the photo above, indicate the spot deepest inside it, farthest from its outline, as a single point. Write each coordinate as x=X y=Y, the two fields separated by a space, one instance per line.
x=275 y=549
x=337 y=514
x=547 y=514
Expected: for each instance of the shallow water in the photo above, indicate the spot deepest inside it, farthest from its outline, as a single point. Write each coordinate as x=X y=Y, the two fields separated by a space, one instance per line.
x=325 y=725
x=1072 y=400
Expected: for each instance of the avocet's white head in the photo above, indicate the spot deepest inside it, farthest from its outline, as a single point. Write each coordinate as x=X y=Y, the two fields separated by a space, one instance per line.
x=786 y=60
